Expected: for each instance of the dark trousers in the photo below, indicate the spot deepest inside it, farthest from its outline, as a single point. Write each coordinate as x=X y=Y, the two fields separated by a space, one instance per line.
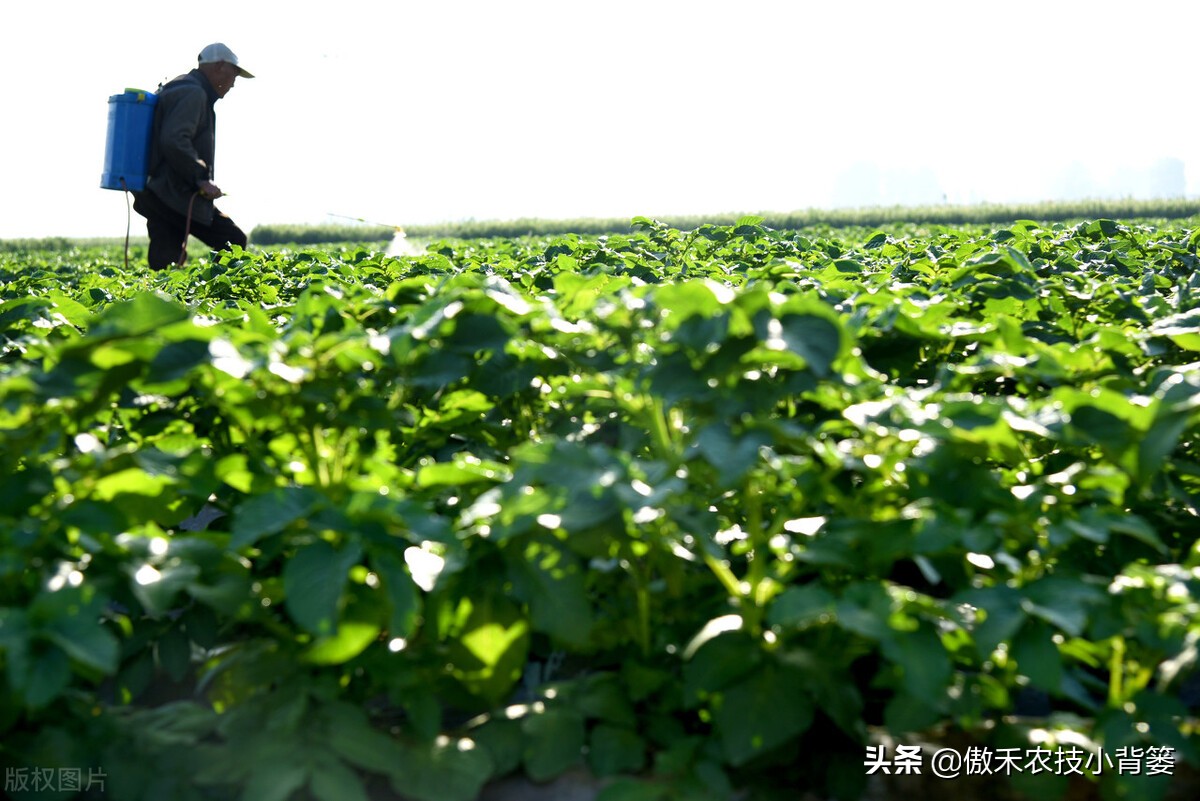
x=167 y=229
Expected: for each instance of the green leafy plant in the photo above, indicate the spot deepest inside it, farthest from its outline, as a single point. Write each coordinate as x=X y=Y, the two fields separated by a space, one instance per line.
x=695 y=511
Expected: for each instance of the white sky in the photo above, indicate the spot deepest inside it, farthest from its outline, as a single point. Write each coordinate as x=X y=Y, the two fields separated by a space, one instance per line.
x=414 y=112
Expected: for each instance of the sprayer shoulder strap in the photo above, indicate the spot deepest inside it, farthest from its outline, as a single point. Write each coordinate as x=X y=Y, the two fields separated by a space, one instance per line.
x=190 y=82
x=183 y=139
x=186 y=79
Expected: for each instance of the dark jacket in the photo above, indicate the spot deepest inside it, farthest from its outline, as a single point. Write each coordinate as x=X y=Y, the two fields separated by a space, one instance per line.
x=183 y=144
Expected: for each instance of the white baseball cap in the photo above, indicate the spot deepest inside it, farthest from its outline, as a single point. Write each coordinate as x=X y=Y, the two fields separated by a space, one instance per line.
x=216 y=53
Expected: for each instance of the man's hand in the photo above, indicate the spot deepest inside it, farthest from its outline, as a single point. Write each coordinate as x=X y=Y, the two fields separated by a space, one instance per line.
x=210 y=190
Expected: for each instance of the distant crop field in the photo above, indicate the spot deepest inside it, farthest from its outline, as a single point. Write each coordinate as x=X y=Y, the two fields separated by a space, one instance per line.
x=699 y=511
x=818 y=221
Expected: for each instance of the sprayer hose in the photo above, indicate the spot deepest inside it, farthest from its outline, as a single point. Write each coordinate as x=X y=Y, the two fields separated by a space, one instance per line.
x=187 y=229
x=128 y=220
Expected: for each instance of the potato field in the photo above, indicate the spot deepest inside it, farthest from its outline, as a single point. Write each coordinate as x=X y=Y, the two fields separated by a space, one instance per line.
x=707 y=514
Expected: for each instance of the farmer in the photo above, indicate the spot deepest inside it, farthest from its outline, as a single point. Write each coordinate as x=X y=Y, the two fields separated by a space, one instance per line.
x=179 y=194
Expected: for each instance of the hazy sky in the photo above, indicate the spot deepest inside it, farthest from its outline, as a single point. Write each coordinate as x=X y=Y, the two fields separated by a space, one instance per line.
x=405 y=112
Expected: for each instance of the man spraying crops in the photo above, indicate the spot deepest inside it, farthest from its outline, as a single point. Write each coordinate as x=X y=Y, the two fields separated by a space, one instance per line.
x=179 y=194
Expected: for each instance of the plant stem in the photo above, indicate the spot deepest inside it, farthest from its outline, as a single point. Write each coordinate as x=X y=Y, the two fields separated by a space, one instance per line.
x=1116 y=670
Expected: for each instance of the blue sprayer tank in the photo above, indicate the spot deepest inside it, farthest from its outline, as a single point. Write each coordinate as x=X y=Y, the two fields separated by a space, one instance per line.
x=127 y=151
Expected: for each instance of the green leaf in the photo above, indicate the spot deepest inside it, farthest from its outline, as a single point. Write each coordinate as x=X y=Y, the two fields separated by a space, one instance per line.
x=749 y=230
x=865 y=608
x=464 y=469
x=927 y=668
x=49 y=675
x=313 y=581
x=551 y=580
x=686 y=299
x=605 y=696
x=1037 y=656
x=271 y=513
x=816 y=339
x=717 y=664
x=1104 y=427
x=446 y=770
x=402 y=593
x=841 y=700
x=176 y=359
x=554 y=742
x=275 y=779
x=489 y=652
x=732 y=456
x=906 y=713
x=1133 y=526
x=354 y=739
x=615 y=749
x=1182 y=329
x=877 y=240
x=85 y=639
x=135 y=676
x=714 y=233
x=144 y=313
x=138 y=496
x=1002 y=616
x=351 y=639
x=331 y=780
x=802 y=606
x=227 y=594
x=15 y=633
x=22 y=309
x=1157 y=444
x=626 y=789
x=157 y=587
x=130 y=482
x=1063 y=601
x=641 y=681
x=424 y=714
x=764 y=711
x=202 y=626
x=175 y=653
x=235 y=471
x=503 y=740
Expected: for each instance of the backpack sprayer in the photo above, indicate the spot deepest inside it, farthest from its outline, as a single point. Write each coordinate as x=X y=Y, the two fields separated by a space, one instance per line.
x=127 y=152
x=127 y=148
